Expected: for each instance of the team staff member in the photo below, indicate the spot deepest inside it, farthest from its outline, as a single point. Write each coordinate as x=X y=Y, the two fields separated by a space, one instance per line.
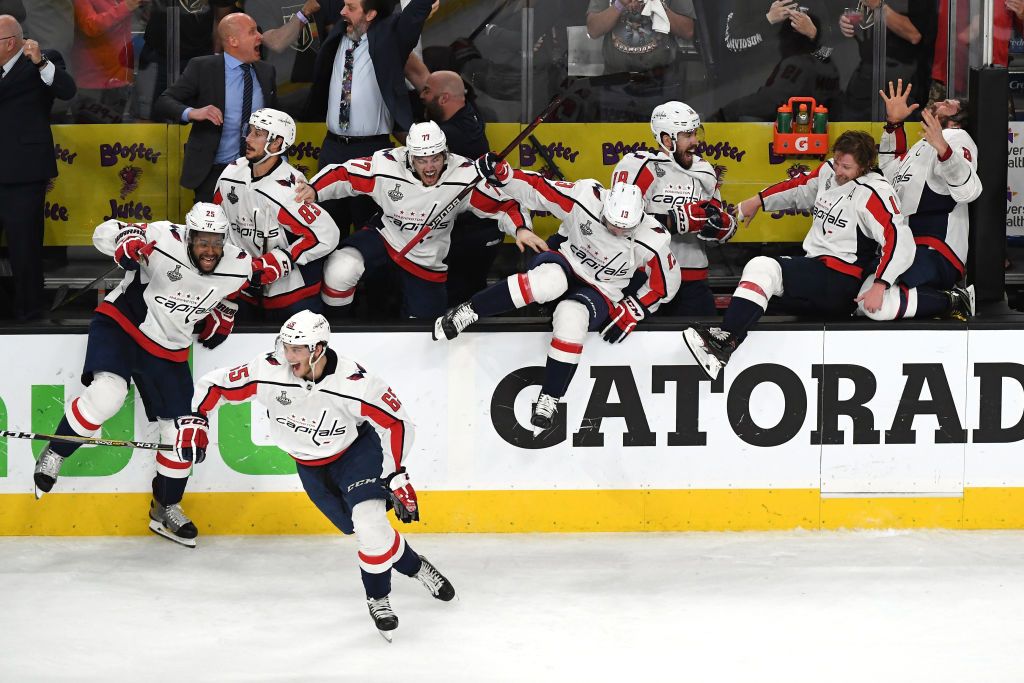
x=217 y=94
x=31 y=79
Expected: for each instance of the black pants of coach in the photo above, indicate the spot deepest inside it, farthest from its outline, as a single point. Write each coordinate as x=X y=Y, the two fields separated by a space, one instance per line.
x=21 y=220
x=355 y=212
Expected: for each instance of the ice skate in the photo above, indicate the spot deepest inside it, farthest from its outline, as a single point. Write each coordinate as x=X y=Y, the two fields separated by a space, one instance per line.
x=961 y=303
x=543 y=413
x=172 y=523
x=711 y=347
x=46 y=472
x=449 y=325
x=383 y=616
x=434 y=581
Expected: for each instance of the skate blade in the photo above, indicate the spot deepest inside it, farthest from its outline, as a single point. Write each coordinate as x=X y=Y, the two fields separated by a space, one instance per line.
x=39 y=493
x=386 y=635
x=711 y=368
x=437 y=335
x=972 y=298
x=160 y=530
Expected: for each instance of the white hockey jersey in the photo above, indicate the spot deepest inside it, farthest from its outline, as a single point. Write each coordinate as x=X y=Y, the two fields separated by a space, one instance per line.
x=314 y=422
x=159 y=305
x=595 y=255
x=264 y=215
x=666 y=184
x=933 y=192
x=854 y=224
x=407 y=204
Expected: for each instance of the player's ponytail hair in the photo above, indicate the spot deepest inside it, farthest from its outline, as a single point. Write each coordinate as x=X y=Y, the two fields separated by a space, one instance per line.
x=860 y=145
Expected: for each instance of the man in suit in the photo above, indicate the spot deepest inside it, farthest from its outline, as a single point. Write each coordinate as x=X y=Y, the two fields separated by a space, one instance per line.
x=217 y=93
x=359 y=87
x=31 y=79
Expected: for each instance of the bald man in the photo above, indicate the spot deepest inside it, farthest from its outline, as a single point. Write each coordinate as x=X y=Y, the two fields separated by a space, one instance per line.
x=30 y=79
x=216 y=94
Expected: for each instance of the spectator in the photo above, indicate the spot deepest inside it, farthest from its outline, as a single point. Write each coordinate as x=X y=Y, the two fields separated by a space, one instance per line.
x=935 y=180
x=217 y=93
x=802 y=70
x=862 y=215
x=103 y=59
x=359 y=87
x=1006 y=14
x=904 y=20
x=475 y=241
x=31 y=79
x=640 y=38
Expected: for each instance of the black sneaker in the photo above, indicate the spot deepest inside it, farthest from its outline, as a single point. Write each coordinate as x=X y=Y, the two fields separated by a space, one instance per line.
x=711 y=347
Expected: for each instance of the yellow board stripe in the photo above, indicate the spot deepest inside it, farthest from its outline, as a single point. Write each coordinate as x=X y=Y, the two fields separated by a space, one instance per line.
x=92 y=514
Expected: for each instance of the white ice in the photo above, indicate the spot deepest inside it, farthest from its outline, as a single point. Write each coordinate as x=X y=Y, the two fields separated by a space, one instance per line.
x=797 y=606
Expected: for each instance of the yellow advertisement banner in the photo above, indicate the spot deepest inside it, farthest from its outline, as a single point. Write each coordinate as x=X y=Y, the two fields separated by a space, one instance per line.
x=131 y=171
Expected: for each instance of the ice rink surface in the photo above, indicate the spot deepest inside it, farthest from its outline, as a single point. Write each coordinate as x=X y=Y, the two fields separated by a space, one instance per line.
x=789 y=606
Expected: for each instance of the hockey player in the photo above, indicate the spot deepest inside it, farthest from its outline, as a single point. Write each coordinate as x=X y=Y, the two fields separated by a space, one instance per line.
x=855 y=213
x=177 y=283
x=349 y=435
x=608 y=239
x=258 y=196
x=934 y=180
x=681 y=190
x=410 y=184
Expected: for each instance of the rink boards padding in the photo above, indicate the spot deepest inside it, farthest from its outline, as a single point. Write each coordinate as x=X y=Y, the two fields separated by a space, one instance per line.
x=810 y=426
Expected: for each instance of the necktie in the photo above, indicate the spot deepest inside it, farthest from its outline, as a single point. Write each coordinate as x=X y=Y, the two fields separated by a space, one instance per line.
x=346 y=87
x=246 y=104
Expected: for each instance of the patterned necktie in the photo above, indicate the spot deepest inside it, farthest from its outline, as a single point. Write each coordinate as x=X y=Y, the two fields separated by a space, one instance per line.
x=246 y=104
x=346 y=86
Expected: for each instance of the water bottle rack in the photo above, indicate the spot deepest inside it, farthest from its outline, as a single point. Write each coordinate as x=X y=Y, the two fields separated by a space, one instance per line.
x=800 y=143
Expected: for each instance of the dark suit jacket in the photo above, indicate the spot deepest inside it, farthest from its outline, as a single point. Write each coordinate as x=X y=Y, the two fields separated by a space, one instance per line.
x=26 y=154
x=391 y=41
x=202 y=84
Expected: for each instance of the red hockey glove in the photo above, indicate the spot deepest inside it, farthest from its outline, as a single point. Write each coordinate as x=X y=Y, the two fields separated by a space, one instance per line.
x=193 y=437
x=403 y=496
x=493 y=169
x=131 y=248
x=270 y=267
x=624 y=317
x=720 y=225
x=215 y=327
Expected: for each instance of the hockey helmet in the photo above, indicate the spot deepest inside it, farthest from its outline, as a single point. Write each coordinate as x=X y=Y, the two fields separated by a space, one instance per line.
x=206 y=217
x=623 y=208
x=426 y=139
x=278 y=125
x=305 y=328
x=674 y=118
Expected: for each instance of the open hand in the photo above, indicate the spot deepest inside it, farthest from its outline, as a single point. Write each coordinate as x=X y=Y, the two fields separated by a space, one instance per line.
x=896 y=107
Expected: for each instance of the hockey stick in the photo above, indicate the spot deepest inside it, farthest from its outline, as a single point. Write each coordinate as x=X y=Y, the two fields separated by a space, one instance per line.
x=487 y=20
x=450 y=206
x=545 y=155
x=64 y=301
x=87 y=440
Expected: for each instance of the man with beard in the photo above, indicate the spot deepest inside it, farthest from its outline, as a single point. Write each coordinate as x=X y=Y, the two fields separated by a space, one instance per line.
x=475 y=241
x=856 y=212
x=178 y=282
x=411 y=184
x=607 y=239
x=350 y=436
x=681 y=190
x=934 y=180
x=258 y=196
x=359 y=87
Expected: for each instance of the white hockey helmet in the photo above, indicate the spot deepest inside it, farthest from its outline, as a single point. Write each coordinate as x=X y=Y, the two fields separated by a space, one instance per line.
x=305 y=328
x=623 y=208
x=426 y=139
x=673 y=118
x=278 y=125
x=206 y=217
